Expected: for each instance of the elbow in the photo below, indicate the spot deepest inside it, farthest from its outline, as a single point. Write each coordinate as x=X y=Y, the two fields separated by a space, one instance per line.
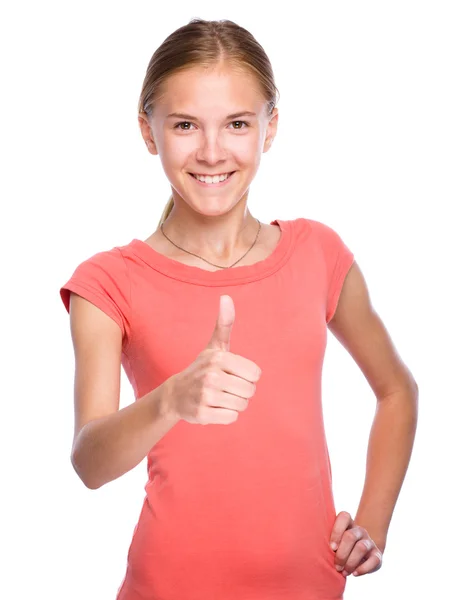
x=82 y=473
x=82 y=461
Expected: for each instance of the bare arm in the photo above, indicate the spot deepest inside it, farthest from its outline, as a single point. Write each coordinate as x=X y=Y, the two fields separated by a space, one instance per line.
x=361 y=331
x=109 y=442
x=109 y=446
x=390 y=448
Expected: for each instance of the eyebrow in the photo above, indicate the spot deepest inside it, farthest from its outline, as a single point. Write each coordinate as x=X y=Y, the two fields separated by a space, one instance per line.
x=190 y=117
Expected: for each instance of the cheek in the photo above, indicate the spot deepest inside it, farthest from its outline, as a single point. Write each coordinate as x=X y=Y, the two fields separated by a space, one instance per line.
x=245 y=152
x=176 y=151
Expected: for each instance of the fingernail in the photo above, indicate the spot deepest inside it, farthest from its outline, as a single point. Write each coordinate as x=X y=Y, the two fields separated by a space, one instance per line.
x=339 y=567
x=333 y=545
x=344 y=573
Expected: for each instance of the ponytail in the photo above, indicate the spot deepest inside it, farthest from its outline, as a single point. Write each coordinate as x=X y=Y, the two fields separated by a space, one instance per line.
x=167 y=210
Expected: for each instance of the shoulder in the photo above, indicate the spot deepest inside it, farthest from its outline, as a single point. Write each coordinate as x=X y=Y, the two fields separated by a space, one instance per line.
x=318 y=228
x=325 y=236
x=104 y=262
x=308 y=224
x=103 y=273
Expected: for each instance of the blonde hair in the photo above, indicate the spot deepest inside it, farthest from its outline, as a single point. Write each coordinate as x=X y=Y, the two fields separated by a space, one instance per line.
x=167 y=210
x=205 y=44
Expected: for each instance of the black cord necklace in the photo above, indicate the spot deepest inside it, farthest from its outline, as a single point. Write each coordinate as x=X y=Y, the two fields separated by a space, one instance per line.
x=207 y=261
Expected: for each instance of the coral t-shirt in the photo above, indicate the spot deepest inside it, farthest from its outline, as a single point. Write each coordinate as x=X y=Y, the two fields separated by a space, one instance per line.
x=241 y=511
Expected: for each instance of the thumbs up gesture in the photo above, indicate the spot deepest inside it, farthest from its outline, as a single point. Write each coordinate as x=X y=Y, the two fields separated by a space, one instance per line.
x=218 y=384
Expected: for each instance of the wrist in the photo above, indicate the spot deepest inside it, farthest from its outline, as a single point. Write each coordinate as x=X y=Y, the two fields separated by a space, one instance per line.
x=166 y=404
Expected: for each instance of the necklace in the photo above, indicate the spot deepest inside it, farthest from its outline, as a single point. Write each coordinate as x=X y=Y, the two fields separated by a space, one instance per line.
x=207 y=261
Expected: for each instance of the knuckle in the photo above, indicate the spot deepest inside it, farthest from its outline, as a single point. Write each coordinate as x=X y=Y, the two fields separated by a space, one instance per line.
x=210 y=378
x=206 y=396
x=365 y=544
x=351 y=535
x=201 y=417
x=243 y=405
x=215 y=358
x=359 y=532
x=370 y=544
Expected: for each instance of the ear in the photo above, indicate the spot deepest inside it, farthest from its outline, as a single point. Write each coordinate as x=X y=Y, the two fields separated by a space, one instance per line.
x=146 y=132
x=271 y=129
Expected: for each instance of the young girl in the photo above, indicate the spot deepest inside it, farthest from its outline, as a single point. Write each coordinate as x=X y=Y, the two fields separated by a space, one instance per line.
x=220 y=323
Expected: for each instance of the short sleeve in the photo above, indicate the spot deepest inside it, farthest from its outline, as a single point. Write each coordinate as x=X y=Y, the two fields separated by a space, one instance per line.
x=103 y=279
x=338 y=259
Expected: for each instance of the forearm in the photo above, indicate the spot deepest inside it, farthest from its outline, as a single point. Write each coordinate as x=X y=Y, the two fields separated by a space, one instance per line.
x=110 y=446
x=388 y=456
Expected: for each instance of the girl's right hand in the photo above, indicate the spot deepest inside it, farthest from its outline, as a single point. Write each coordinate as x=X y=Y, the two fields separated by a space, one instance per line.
x=217 y=385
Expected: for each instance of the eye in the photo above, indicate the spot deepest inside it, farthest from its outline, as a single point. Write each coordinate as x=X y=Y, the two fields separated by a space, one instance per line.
x=178 y=125
x=244 y=122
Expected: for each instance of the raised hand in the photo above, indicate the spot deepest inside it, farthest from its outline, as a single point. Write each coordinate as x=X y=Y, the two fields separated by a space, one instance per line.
x=218 y=384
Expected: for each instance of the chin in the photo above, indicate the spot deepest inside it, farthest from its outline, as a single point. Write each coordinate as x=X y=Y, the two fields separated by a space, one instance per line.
x=212 y=208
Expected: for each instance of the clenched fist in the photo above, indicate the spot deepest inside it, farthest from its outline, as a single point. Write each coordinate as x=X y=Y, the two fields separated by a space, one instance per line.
x=218 y=384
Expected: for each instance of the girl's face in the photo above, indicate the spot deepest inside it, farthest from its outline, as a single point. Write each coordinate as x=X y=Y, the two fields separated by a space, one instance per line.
x=222 y=127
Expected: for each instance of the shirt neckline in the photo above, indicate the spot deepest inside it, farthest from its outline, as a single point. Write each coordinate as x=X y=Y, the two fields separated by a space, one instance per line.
x=234 y=275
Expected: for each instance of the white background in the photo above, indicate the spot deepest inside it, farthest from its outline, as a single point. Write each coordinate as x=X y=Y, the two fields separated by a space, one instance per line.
x=367 y=143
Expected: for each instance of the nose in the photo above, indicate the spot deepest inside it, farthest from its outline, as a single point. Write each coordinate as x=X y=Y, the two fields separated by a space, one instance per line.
x=211 y=150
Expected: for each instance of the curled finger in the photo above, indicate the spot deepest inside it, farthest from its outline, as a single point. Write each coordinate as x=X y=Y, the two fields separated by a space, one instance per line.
x=372 y=563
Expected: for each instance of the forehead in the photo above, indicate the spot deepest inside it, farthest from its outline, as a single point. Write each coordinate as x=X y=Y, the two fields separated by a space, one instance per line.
x=221 y=91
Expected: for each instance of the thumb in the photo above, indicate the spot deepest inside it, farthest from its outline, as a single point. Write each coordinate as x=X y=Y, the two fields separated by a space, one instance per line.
x=222 y=333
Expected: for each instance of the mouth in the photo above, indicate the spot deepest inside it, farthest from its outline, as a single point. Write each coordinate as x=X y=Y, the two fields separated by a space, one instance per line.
x=213 y=185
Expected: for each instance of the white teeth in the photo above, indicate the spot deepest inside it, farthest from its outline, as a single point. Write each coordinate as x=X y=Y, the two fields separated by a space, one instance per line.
x=214 y=179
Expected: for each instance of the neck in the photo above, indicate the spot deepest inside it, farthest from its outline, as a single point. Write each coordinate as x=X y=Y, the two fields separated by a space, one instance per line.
x=217 y=238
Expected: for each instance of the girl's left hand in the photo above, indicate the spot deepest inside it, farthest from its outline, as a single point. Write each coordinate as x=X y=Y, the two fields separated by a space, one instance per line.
x=356 y=552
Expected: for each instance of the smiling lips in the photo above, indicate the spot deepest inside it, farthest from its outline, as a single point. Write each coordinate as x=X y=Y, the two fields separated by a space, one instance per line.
x=212 y=179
